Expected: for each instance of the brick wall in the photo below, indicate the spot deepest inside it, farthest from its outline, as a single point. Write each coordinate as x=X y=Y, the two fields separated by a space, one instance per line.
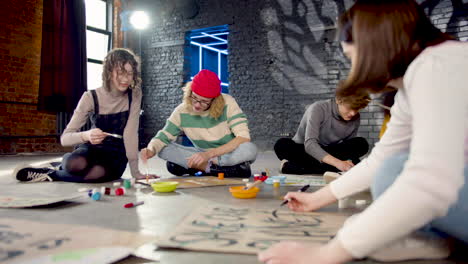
x=282 y=57
x=22 y=127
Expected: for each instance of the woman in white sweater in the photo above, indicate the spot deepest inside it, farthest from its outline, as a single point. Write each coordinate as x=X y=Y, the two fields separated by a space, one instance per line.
x=418 y=171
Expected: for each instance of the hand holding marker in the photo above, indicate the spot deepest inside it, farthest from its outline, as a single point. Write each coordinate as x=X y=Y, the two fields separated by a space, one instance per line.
x=303 y=189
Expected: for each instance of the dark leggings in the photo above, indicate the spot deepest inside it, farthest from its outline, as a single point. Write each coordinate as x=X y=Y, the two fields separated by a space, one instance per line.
x=350 y=149
x=87 y=165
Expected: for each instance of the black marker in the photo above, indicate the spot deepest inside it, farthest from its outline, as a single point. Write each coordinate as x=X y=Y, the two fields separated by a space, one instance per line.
x=303 y=189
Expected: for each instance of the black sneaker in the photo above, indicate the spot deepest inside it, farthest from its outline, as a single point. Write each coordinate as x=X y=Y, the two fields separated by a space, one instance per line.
x=241 y=170
x=288 y=167
x=176 y=169
x=27 y=173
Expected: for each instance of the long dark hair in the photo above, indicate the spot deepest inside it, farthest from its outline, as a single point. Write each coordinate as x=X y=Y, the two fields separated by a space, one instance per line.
x=388 y=35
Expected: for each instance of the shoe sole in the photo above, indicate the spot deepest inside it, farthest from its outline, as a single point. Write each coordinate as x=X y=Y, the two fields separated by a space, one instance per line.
x=23 y=166
x=20 y=167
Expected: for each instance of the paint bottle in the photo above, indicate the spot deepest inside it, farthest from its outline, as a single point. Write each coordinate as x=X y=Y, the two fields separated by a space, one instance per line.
x=105 y=190
x=276 y=183
x=361 y=203
x=127 y=184
x=96 y=196
x=221 y=175
x=344 y=203
x=119 y=191
x=256 y=177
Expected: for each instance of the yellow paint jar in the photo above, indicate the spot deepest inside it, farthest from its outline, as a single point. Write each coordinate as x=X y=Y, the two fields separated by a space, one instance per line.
x=276 y=183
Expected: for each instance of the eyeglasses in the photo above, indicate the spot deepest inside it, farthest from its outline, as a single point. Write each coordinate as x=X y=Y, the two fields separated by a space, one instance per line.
x=195 y=100
x=127 y=74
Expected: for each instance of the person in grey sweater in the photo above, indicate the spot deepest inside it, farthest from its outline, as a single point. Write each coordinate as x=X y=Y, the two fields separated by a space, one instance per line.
x=326 y=138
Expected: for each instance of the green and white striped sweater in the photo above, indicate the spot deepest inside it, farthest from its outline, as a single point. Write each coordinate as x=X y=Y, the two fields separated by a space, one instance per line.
x=203 y=131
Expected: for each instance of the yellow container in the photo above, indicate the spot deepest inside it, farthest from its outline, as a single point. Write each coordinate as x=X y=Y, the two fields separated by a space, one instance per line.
x=169 y=186
x=239 y=192
x=276 y=183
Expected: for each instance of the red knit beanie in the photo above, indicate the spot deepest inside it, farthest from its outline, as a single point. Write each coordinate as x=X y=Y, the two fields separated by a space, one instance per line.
x=207 y=84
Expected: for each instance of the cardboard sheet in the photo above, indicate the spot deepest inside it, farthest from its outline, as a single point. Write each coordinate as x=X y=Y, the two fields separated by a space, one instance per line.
x=248 y=231
x=197 y=182
x=35 y=200
x=301 y=180
x=22 y=240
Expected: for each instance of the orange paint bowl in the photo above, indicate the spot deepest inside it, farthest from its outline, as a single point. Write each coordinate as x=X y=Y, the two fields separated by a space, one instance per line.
x=239 y=192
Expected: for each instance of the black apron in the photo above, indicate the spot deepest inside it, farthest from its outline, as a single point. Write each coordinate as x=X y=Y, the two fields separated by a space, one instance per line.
x=111 y=152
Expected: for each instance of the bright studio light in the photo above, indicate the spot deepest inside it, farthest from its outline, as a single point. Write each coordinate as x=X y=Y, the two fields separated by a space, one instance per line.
x=139 y=20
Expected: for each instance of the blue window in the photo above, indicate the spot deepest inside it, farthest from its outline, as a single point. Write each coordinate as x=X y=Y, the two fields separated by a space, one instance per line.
x=209 y=50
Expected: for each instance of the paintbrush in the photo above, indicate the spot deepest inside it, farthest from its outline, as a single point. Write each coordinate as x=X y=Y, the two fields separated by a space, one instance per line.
x=113 y=135
x=303 y=189
x=252 y=185
x=142 y=183
x=146 y=171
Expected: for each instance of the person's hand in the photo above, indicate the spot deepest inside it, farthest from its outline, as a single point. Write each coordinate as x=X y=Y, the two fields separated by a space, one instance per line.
x=295 y=253
x=345 y=165
x=94 y=136
x=141 y=176
x=146 y=154
x=306 y=202
x=301 y=202
x=197 y=159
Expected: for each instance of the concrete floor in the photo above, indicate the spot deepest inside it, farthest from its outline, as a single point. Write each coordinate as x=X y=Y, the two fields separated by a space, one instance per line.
x=159 y=214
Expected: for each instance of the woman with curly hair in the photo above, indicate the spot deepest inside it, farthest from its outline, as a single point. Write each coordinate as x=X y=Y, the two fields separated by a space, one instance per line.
x=101 y=153
x=216 y=126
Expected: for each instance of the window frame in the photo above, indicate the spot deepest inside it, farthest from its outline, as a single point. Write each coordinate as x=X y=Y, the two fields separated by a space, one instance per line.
x=208 y=33
x=108 y=32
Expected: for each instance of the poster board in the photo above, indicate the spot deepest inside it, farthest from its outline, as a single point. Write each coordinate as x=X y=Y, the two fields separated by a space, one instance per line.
x=300 y=180
x=36 y=200
x=248 y=231
x=105 y=255
x=22 y=240
x=197 y=182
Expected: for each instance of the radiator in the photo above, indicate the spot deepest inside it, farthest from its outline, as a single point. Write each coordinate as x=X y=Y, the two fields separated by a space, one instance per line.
x=62 y=121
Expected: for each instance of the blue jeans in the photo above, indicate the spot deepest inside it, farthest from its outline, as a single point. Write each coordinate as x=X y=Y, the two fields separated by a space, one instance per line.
x=179 y=154
x=454 y=224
